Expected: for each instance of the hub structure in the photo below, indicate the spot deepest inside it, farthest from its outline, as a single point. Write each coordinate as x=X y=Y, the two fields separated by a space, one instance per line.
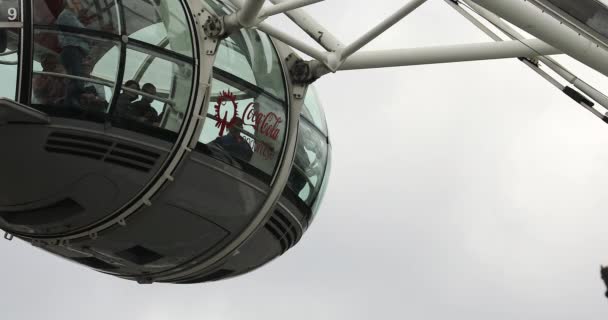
x=181 y=141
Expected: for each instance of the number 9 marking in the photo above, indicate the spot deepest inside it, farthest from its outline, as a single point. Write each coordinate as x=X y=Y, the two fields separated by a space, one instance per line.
x=12 y=14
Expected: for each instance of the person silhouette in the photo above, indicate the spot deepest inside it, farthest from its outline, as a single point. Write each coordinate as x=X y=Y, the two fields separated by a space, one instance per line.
x=142 y=110
x=74 y=49
x=234 y=143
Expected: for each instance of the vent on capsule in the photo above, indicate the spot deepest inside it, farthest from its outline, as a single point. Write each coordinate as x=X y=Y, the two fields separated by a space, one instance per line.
x=120 y=154
x=283 y=230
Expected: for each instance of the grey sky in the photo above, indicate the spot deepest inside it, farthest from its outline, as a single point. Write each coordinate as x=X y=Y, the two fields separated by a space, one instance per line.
x=460 y=191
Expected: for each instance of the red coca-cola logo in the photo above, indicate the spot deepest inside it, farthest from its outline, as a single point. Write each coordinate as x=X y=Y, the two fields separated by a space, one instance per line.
x=265 y=123
x=226 y=108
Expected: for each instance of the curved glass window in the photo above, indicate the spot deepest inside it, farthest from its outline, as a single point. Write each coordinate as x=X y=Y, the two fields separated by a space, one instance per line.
x=317 y=202
x=246 y=121
x=161 y=89
x=308 y=170
x=98 y=15
x=250 y=55
x=9 y=61
x=67 y=79
x=244 y=124
x=83 y=68
x=161 y=23
x=313 y=111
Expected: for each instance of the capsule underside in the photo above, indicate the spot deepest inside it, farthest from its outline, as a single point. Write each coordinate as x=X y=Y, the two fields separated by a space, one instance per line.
x=99 y=169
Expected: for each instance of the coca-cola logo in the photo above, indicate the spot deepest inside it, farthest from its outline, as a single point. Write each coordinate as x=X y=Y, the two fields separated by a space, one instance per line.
x=226 y=108
x=227 y=115
x=265 y=123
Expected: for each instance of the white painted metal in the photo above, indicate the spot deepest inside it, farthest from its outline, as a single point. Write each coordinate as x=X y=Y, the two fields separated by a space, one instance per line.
x=286 y=6
x=293 y=42
x=246 y=16
x=544 y=26
x=590 y=91
x=379 y=29
x=496 y=37
x=446 y=54
x=314 y=29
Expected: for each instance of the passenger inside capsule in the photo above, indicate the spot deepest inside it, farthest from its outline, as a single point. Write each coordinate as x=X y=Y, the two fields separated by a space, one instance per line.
x=234 y=144
x=142 y=109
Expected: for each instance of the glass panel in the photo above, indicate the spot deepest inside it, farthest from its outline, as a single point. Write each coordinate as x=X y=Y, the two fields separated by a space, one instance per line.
x=9 y=62
x=99 y=15
x=310 y=163
x=317 y=202
x=592 y=13
x=158 y=89
x=69 y=80
x=250 y=55
x=313 y=111
x=159 y=23
x=244 y=125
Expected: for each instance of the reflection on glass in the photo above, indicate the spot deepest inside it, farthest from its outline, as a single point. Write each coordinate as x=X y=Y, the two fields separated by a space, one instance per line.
x=313 y=111
x=251 y=123
x=48 y=94
x=64 y=72
x=164 y=85
x=234 y=143
x=9 y=61
x=159 y=23
x=250 y=55
x=310 y=163
x=99 y=15
x=319 y=199
x=247 y=106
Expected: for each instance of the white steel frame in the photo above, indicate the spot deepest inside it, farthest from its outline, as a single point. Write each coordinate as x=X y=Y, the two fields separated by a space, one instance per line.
x=554 y=36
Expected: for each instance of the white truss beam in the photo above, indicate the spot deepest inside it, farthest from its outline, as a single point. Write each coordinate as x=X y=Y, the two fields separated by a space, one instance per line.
x=313 y=28
x=283 y=7
x=447 y=54
x=380 y=28
x=533 y=20
x=246 y=16
x=587 y=89
x=293 y=42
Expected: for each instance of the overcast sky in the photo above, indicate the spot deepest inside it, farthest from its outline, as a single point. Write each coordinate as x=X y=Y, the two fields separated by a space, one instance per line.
x=461 y=191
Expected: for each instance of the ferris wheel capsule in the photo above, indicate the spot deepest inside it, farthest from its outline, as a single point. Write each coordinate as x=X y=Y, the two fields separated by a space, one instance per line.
x=143 y=149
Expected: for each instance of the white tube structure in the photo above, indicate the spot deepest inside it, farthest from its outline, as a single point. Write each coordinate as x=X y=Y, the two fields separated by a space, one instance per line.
x=544 y=26
x=293 y=42
x=496 y=37
x=593 y=93
x=447 y=54
x=314 y=29
x=286 y=6
x=380 y=28
x=246 y=16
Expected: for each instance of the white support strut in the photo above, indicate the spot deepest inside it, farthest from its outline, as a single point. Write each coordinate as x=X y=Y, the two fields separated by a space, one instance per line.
x=283 y=7
x=543 y=26
x=593 y=93
x=246 y=16
x=293 y=42
x=313 y=28
x=447 y=54
x=380 y=28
